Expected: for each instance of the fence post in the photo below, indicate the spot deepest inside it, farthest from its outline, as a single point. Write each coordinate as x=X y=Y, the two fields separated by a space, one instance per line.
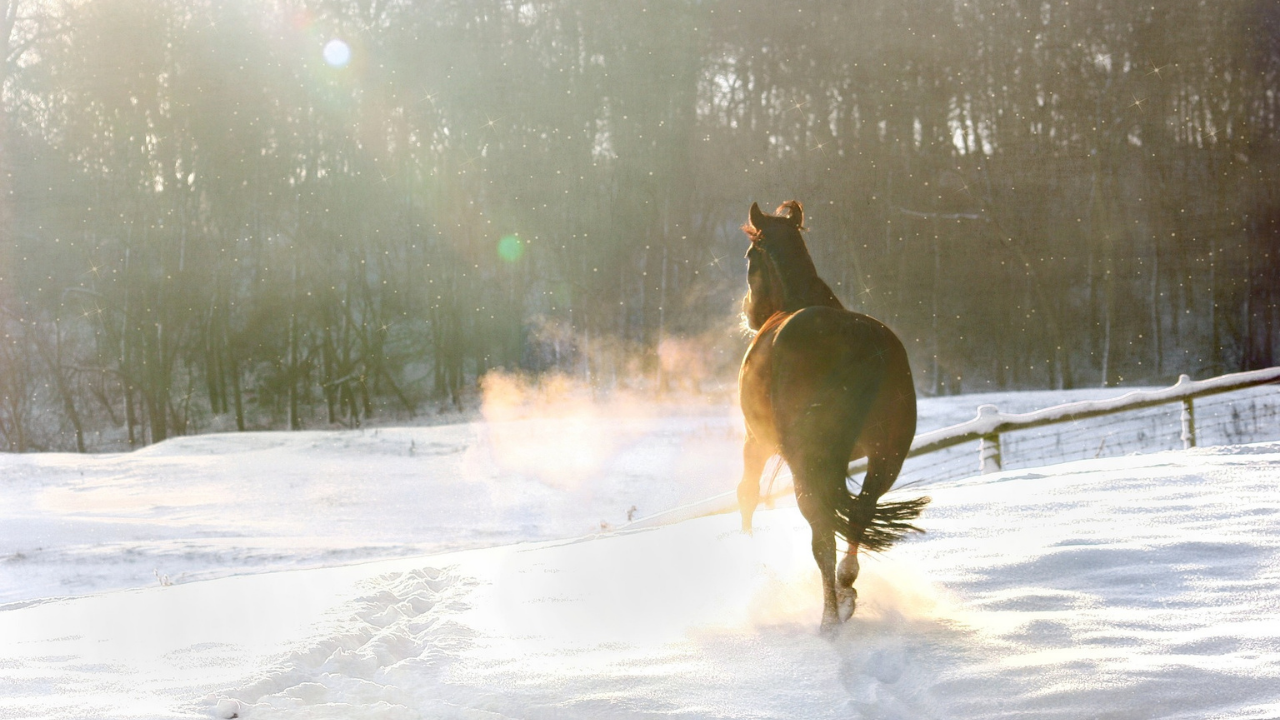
x=989 y=454
x=1188 y=419
x=989 y=460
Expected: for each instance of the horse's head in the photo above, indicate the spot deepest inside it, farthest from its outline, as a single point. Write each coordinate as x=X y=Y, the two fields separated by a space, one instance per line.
x=779 y=234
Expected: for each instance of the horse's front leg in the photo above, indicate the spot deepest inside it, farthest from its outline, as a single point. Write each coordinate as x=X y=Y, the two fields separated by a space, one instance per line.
x=754 y=455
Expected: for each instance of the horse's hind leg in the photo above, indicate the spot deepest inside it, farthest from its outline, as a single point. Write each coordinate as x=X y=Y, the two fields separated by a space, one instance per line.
x=847 y=571
x=820 y=492
x=846 y=574
x=754 y=455
x=824 y=553
x=881 y=473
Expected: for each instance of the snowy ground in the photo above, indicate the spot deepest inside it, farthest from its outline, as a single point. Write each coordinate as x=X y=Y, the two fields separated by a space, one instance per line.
x=206 y=506
x=1144 y=586
x=212 y=505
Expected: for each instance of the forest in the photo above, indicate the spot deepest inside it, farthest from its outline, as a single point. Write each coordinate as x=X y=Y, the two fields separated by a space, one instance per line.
x=221 y=215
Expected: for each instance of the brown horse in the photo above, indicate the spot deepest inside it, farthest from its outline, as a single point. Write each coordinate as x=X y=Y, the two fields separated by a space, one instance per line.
x=822 y=386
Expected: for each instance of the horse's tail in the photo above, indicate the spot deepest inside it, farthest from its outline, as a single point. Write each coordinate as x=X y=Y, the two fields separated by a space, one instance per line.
x=879 y=526
x=890 y=522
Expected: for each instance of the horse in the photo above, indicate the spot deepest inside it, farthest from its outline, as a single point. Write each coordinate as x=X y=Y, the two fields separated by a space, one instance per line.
x=822 y=386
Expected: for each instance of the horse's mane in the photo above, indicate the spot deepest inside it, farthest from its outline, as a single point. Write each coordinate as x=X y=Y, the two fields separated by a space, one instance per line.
x=792 y=207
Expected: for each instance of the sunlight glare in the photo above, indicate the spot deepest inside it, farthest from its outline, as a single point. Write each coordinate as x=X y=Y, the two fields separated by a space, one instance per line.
x=337 y=53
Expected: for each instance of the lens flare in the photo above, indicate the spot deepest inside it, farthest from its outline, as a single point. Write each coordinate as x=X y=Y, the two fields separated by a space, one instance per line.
x=337 y=53
x=510 y=248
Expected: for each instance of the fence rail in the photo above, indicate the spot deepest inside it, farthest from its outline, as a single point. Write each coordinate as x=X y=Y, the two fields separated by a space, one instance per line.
x=986 y=429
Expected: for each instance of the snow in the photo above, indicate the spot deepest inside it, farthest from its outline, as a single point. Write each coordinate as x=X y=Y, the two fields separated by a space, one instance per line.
x=340 y=575
x=204 y=506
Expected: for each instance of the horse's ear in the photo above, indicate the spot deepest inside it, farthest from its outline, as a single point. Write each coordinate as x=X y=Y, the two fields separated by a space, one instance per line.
x=795 y=213
x=755 y=218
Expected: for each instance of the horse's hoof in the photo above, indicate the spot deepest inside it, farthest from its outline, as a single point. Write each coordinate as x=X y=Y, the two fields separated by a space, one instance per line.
x=847 y=570
x=846 y=602
x=829 y=628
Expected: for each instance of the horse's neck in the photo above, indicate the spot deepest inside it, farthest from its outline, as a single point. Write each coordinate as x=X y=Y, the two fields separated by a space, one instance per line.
x=801 y=286
x=821 y=293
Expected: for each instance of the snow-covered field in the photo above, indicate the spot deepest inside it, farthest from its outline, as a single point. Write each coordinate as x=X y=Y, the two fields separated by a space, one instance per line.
x=459 y=571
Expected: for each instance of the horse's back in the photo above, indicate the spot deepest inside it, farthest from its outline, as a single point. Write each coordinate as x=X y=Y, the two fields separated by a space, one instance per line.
x=841 y=332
